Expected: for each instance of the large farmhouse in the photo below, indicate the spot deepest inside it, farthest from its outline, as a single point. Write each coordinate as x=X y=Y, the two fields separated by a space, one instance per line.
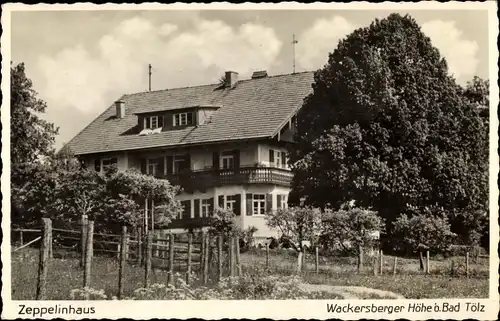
x=224 y=144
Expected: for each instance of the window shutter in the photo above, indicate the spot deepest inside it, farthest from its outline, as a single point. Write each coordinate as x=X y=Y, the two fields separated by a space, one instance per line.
x=168 y=120
x=143 y=165
x=160 y=121
x=278 y=200
x=221 y=201
x=161 y=166
x=283 y=159
x=237 y=205
x=186 y=213
x=195 y=118
x=211 y=202
x=97 y=165
x=269 y=203
x=196 y=208
x=170 y=161
x=249 y=205
x=236 y=156
x=190 y=118
x=215 y=161
x=271 y=156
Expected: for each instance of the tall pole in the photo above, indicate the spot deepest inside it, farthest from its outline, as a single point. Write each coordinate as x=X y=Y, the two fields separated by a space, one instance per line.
x=149 y=67
x=294 y=42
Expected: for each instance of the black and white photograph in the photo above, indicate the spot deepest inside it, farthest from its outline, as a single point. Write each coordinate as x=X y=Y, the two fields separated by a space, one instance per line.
x=250 y=161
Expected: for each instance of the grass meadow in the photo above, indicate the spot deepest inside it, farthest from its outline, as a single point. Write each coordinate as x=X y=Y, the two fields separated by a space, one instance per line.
x=65 y=274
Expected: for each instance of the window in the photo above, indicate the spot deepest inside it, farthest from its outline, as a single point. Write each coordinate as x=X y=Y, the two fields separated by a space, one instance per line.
x=181 y=163
x=151 y=122
x=183 y=119
x=277 y=158
x=282 y=201
x=227 y=161
x=152 y=167
x=259 y=204
x=104 y=164
x=230 y=202
x=205 y=208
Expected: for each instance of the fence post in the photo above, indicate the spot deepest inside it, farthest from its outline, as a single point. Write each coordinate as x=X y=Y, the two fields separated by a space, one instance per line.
x=189 y=250
x=123 y=257
x=375 y=270
x=118 y=250
x=88 y=253
x=205 y=259
x=394 y=268
x=452 y=268
x=381 y=262
x=238 y=265
x=147 y=263
x=317 y=259
x=220 y=241
x=427 y=263
x=267 y=256
x=21 y=238
x=139 y=245
x=43 y=268
x=231 y=256
x=467 y=264
x=202 y=254
x=83 y=238
x=360 y=258
x=171 y=258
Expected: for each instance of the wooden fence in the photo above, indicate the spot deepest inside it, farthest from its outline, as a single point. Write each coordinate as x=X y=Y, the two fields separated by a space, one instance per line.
x=197 y=253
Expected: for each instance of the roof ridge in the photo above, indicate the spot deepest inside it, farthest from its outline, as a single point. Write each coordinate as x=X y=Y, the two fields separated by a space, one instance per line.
x=214 y=84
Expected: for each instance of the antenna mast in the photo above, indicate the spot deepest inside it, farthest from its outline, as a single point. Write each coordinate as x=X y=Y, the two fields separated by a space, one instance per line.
x=294 y=42
x=149 y=69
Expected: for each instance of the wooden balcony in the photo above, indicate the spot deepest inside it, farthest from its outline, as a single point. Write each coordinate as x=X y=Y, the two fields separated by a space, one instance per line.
x=204 y=179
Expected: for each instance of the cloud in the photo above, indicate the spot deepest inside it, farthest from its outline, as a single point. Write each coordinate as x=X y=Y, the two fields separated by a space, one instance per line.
x=318 y=41
x=89 y=79
x=460 y=53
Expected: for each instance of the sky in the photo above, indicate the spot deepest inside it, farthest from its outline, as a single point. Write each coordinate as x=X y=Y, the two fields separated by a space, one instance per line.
x=80 y=62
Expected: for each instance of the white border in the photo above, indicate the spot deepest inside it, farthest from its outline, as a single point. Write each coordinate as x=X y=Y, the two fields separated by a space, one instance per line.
x=252 y=309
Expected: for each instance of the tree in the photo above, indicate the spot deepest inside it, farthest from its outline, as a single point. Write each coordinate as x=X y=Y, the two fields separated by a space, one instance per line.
x=429 y=231
x=387 y=126
x=351 y=227
x=296 y=225
x=31 y=139
x=31 y=136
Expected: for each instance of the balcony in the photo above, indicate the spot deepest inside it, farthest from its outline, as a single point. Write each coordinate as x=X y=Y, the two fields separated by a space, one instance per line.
x=189 y=223
x=204 y=179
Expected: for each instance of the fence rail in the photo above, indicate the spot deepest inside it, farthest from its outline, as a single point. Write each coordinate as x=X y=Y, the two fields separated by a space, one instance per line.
x=191 y=256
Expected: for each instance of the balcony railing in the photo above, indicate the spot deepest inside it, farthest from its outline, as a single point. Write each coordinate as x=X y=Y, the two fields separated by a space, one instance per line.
x=203 y=179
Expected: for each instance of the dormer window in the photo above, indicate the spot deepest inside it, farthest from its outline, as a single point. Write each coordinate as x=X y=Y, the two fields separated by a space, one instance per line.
x=153 y=122
x=183 y=119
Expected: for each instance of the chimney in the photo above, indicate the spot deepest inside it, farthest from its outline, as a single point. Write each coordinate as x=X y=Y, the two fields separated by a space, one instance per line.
x=231 y=79
x=120 y=109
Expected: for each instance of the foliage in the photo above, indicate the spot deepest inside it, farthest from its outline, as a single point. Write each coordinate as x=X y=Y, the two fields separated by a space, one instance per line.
x=31 y=136
x=296 y=224
x=350 y=226
x=64 y=190
x=32 y=140
x=428 y=231
x=387 y=126
x=222 y=222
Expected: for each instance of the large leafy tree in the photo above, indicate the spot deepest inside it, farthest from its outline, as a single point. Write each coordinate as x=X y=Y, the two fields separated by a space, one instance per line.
x=387 y=126
x=31 y=136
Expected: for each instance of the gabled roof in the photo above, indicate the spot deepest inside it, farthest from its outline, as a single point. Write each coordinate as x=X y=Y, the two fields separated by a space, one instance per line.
x=254 y=108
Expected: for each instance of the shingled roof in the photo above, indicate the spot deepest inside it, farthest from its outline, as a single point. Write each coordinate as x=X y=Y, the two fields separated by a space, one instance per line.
x=254 y=108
